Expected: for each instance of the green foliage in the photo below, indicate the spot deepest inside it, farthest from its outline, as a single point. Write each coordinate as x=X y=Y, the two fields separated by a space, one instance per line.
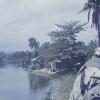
x=91 y=49
x=65 y=37
x=67 y=31
x=65 y=46
x=18 y=55
x=29 y=55
x=33 y=43
x=3 y=55
x=47 y=52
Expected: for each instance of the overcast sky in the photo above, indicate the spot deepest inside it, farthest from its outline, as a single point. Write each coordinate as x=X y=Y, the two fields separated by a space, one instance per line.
x=21 y=19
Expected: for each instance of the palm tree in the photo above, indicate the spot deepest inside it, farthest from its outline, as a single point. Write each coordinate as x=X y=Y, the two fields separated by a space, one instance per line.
x=93 y=8
x=33 y=44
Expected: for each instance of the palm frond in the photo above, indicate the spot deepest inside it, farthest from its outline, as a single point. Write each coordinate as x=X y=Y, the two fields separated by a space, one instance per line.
x=87 y=6
x=89 y=14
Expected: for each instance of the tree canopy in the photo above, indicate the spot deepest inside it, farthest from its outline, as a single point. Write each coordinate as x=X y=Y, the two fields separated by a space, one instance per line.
x=33 y=43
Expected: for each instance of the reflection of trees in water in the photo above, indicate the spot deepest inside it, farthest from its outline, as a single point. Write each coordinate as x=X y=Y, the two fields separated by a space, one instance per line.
x=37 y=82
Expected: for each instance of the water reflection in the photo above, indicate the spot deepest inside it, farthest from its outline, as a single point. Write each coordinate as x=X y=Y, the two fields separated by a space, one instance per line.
x=16 y=84
x=38 y=82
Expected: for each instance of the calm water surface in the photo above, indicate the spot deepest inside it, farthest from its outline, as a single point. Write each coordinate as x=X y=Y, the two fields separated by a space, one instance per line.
x=17 y=84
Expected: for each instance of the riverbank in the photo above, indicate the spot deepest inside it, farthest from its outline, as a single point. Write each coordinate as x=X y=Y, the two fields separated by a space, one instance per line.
x=47 y=72
x=61 y=86
x=61 y=83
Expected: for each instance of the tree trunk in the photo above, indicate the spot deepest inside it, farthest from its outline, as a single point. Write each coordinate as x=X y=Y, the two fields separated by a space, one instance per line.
x=99 y=35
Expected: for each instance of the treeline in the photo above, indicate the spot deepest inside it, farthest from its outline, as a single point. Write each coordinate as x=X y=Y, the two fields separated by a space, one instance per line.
x=15 y=57
x=64 y=46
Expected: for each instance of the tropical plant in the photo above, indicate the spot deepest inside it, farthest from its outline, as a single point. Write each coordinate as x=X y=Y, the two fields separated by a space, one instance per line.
x=33 y=43
x=93 y=8
x=91 y=49
x=67 y=31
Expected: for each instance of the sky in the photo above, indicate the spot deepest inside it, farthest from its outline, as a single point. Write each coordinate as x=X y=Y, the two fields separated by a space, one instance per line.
x=22 y=19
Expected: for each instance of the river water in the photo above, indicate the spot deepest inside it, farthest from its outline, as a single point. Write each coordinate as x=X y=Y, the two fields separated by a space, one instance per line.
x=17 y=84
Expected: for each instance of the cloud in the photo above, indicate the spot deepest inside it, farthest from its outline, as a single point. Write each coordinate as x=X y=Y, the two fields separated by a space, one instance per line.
x=21 y=19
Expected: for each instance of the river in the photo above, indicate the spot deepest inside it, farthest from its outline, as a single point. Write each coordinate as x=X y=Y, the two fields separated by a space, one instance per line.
x=17 y=84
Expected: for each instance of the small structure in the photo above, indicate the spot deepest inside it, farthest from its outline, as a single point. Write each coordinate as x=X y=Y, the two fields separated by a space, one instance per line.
x=53 y=66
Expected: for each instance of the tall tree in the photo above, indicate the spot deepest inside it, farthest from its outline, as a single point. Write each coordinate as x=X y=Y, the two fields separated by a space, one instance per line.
x=93 y=8
x=33 y=44
x=65 y=42
x=65 y=36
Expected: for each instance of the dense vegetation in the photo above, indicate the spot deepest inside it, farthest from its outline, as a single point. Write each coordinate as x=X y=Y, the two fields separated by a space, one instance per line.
x=64 y=46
